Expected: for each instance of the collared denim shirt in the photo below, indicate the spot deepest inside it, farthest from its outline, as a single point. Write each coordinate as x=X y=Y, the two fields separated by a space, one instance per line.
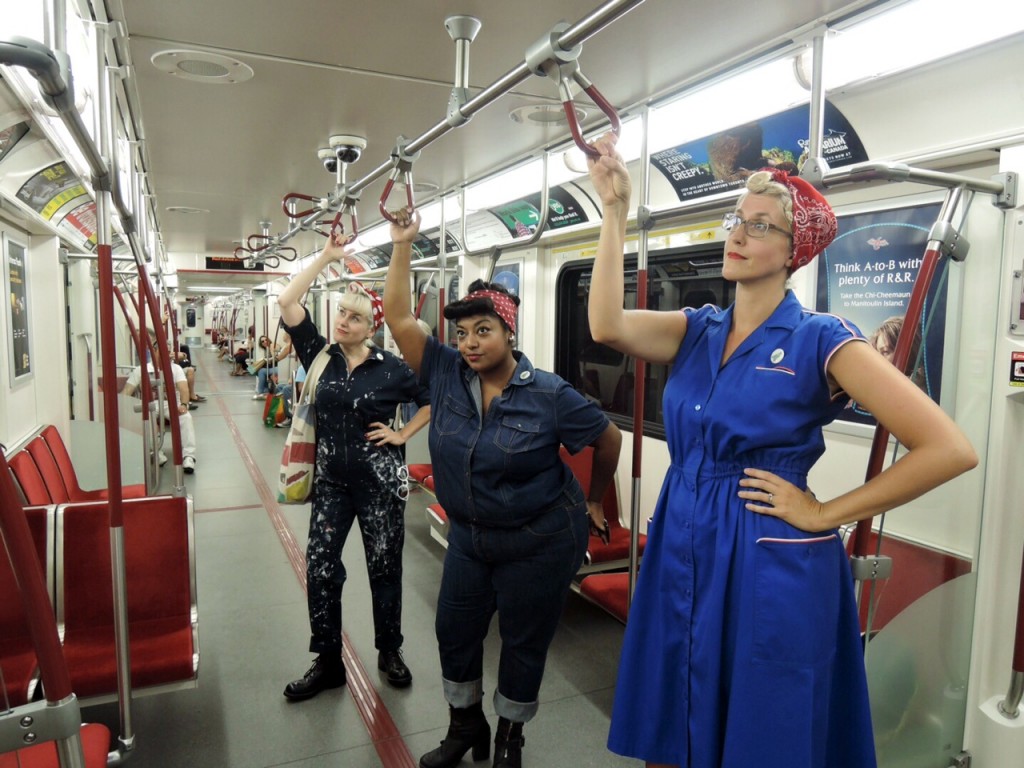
x=503 y=470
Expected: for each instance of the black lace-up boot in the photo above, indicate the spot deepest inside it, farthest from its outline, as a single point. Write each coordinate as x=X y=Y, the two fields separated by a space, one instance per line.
x=326 y=672
x=392 y=665
x=467 y=730
x=508 y=744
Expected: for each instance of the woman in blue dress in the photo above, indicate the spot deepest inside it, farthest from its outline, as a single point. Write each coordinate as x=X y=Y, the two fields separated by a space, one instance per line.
x=742 y=647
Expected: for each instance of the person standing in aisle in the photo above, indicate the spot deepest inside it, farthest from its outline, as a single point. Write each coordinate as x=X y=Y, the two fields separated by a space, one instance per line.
x=743 y=643
x=357 y=477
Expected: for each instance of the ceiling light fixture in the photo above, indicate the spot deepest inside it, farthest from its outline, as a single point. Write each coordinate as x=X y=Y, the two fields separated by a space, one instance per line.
x=543 y=115
x=202 y=66
x=187 y=209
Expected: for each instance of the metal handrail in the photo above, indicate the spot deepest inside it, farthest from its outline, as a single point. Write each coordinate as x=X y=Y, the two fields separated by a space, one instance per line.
x=1010 y=706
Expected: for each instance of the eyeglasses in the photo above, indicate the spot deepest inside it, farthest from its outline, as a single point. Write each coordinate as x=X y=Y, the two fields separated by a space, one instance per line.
x=755 y=229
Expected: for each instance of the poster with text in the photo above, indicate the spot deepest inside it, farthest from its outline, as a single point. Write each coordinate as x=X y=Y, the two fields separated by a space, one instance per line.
x=866 y=276
x=723 y=162
x=15 y=269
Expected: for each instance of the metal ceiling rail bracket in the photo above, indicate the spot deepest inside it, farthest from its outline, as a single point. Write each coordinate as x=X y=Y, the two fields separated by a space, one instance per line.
x=463 y=30
x=547 y=58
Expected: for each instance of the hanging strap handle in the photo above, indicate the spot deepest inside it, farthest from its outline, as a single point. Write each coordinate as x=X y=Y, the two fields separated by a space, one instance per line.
x=403 y=166
x=548 y=58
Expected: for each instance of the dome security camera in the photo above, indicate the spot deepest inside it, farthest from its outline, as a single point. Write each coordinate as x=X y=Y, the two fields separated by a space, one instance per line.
x=329 y=159
x=347 y=149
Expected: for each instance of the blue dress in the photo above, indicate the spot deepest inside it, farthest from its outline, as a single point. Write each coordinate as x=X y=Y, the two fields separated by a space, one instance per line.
x=742 y=647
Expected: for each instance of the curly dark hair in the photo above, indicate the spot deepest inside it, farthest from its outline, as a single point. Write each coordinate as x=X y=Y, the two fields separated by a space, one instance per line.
x=479 y=306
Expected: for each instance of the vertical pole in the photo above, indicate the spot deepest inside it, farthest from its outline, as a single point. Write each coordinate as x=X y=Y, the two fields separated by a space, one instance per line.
x=110 y=413
x=639 y=366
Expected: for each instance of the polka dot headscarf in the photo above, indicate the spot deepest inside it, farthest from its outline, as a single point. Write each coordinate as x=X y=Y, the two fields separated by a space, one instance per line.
x=376 y=303
x=503 y=305
x=814 y=223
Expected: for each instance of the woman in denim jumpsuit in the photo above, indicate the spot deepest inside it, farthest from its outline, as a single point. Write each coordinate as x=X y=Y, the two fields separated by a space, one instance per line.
x=359 y=459
x=518 y=519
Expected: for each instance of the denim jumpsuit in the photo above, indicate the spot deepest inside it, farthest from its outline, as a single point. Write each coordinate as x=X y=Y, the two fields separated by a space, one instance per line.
x=518 y=522
x=355 y=480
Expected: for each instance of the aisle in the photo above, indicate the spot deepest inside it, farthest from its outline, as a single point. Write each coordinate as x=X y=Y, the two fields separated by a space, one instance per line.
x=253 y=632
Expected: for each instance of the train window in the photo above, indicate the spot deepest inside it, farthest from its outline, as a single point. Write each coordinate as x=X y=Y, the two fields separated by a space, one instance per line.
x=675 y=278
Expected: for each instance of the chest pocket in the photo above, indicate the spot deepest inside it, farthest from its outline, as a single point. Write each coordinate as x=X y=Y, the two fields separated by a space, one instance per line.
x=514 y=435
x=453 y=416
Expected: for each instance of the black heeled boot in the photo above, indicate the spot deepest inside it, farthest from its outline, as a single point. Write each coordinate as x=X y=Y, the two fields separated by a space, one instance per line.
x=468 y=729
x=508 y=744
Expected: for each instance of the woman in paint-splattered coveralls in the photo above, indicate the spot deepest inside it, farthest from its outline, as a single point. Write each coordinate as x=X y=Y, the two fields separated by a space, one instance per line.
x=359 y=467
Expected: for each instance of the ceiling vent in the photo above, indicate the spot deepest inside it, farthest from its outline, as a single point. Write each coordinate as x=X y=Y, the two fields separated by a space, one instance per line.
x=543 y=114
x=185 y=209
x=202 y=66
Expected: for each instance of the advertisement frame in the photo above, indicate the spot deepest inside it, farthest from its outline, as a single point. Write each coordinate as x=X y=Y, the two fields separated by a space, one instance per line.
x=17 y=312
x=944 y=298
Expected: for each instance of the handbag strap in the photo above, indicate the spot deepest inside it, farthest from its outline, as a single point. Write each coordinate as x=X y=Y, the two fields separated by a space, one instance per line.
x=313 y=374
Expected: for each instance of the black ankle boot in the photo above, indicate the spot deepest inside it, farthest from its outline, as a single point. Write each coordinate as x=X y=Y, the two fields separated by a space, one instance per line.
x=392 y=665
x=508 y=744
x=326 y=672
x=468 y=729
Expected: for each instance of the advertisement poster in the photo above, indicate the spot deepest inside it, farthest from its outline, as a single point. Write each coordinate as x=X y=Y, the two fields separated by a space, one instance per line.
x=80 y=225
x=520 y=217
x=564 y=209
x=15 y=269
x=9 y=137
x=866 y=276
x=52 y=189
x=723 y=162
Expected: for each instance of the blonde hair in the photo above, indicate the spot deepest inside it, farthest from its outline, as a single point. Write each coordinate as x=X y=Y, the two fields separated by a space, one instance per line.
x=359 y=303
x=761 y=183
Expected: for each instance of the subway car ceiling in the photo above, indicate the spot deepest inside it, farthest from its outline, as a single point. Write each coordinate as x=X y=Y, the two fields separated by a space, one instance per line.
x=216 y=182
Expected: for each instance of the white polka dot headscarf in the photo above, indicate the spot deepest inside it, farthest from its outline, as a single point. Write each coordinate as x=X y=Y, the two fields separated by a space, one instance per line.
x=504 y=306
x=814 y=223
x=376 y=303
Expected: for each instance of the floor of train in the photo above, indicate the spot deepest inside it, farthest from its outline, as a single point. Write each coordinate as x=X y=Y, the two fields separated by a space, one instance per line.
x=253 y=632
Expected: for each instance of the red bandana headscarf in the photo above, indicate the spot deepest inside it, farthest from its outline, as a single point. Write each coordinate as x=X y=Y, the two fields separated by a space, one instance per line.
x=376 y=303
x=503 y=305
x=814 y=223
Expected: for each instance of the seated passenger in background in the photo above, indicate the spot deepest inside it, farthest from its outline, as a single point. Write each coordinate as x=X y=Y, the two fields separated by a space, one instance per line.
x=277 y=366
x=243 y=352
x=188 y=433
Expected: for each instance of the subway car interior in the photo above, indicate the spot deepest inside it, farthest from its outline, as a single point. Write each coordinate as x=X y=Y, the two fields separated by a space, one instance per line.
x=167 y=168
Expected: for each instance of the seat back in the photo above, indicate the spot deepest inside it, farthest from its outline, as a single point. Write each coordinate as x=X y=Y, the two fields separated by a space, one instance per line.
x=49 y=470
x=157 y=561
x=63 y=459
x=29 y=479
x=581 y=464
x=160 y=574
x=17 y=655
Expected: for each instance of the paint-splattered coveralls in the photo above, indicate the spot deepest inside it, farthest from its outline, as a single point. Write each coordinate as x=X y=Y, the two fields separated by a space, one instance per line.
x=355 y=480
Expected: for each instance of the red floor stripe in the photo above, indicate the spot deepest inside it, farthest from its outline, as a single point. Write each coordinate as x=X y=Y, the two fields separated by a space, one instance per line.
x=228 y=509
x=391 y=747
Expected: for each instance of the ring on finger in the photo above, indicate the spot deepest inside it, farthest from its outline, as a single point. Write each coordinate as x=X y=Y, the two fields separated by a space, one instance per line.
x=771 y=498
